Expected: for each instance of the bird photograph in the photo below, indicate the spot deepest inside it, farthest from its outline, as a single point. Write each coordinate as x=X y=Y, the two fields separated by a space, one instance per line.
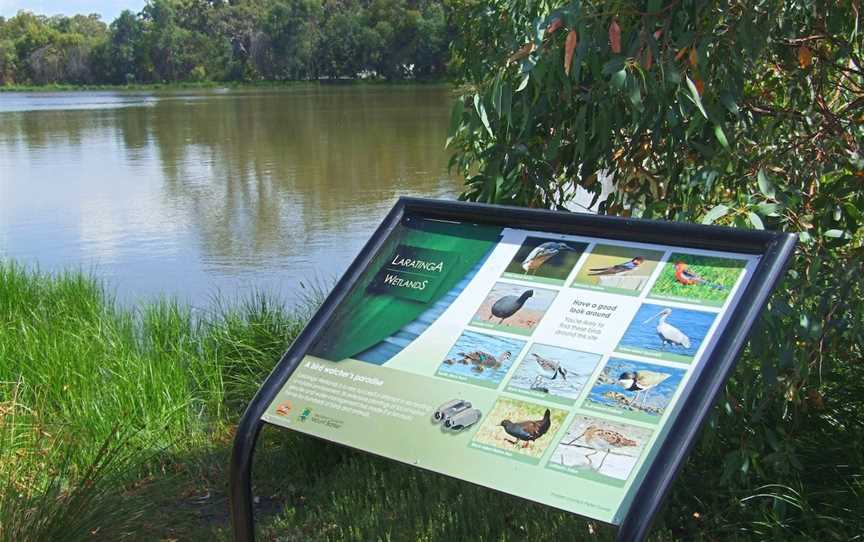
x=694 y=277
x=480 y=360
x=617 y=269
x=602 y=446
x=669 y=334
x=507 y=306
x=686 y=276
x=527 y=431
x=544 y=260
x=634 y=389
x=520 y=427
x=666 y=333
x=481 y=357
x=513 y=308
x=553 y=371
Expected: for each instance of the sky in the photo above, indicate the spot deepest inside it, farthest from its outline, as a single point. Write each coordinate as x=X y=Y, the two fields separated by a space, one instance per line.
x=108 y=9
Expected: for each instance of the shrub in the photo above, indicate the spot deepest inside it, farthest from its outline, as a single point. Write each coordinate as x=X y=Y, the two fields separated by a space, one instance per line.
x=740 y=113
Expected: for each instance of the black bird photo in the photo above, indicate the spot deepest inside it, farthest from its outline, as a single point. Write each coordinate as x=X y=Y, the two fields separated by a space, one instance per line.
x=527 y=431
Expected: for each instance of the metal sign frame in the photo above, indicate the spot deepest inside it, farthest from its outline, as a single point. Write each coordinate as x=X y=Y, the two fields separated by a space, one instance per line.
x=774 y=248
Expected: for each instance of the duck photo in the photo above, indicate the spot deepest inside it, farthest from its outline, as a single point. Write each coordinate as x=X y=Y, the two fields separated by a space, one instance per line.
x=514 y=308
x=634 y=389
x=520 y=427
x=545 y=260
x=480 y=359
x=554 y=373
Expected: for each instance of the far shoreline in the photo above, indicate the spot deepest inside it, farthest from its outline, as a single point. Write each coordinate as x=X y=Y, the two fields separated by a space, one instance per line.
x=212 y=85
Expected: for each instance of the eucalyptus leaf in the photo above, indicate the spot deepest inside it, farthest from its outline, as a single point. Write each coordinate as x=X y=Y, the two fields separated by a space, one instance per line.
x=694 y=95
x=765 y=185
x=715 y=214
x=481 y=112
x=721 y=136
x=455 y=120
x=837 y=234
x=756 y=221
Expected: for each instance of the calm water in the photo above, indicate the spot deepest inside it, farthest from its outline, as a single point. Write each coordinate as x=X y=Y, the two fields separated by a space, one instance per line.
x=194 y=193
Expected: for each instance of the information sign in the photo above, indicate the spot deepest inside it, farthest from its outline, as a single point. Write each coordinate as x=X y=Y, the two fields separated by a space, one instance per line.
x=500 y=345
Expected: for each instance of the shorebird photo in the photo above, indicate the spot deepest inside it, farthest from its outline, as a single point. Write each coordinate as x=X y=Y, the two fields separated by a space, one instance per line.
x=514 y=308
x=554 y=373
x=706 y=280
x=634 y=389
x=599 y=446
x=520 y=427
x=662 y=332
x=480 y=358
x=617 y=269
x=545 y=260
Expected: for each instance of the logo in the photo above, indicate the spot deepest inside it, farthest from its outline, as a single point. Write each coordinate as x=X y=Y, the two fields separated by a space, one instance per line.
x=305 y=414
x=284 y=408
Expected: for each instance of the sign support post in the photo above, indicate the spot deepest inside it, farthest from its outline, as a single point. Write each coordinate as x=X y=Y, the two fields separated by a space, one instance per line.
x=581 y=311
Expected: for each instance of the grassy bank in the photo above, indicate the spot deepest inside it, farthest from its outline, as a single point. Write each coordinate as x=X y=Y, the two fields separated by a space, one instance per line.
x=116 y=422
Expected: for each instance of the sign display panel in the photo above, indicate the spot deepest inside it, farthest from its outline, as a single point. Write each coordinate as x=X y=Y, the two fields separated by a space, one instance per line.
x=544 y=365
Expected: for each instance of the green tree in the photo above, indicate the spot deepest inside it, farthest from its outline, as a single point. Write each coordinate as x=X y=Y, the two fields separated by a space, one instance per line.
x=292 y=27
x=345 y=41
x=748 y=114
x=125 y=45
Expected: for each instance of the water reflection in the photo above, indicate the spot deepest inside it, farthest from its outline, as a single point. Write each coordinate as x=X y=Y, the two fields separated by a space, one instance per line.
x=187 y=193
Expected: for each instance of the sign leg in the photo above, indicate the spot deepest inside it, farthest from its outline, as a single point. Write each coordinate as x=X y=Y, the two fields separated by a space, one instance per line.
x=242 y=514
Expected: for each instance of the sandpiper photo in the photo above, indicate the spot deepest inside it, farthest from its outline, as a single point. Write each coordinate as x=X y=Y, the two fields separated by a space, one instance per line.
x=662 y=332
x=634 y=389
x=600 y=449
x=706 y=280
x=553 y=373
x=617 y=269
x=480 y=359
x=521 y=428
x=514 y=308
x=545 y=260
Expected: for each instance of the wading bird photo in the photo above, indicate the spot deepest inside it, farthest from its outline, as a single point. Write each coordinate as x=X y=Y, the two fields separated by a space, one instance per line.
x=553 y=373
x=673 y=334
x=601 y=446
x=635 y=390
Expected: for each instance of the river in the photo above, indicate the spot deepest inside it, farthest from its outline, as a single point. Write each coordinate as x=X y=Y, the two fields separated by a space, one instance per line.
x=193 y=194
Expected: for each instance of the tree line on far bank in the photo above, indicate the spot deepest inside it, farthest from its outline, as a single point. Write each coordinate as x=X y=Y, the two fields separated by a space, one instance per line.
x=209 y=40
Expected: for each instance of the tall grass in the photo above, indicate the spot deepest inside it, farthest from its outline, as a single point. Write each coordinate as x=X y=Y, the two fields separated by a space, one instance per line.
x=95 y=395
x=116 y=422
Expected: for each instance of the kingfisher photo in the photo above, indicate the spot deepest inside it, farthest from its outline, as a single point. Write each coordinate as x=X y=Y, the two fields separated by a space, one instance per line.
x=545 y=260
x=553 y=373
x=693 y=278
x=600 y=449
x=514 y=308
x=634 y=389
x=480 y=359
x=617 y=269
x=662 y=332
x=522 y=428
